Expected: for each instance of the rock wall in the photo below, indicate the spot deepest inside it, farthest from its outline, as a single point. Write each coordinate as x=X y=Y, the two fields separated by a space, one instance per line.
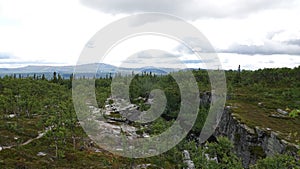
x=251 y=144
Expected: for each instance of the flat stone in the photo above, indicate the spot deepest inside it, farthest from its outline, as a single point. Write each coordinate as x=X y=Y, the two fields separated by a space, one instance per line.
x=11 y=116
x=282 y=112
x=41 y=154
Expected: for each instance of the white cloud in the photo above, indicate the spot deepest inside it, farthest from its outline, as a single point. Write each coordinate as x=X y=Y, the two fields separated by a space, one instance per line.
x=188 y=9
x=231 y=61
x=56 y=31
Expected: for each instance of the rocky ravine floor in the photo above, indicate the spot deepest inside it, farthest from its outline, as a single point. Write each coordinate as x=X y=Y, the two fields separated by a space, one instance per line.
x=113 y=122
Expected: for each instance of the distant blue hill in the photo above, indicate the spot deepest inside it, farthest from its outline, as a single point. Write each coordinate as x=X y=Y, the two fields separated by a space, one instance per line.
x=87 y=69
x=153 y=70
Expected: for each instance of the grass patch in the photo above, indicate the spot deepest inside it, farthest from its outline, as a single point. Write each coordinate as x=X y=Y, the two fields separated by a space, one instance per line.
x=245 y=108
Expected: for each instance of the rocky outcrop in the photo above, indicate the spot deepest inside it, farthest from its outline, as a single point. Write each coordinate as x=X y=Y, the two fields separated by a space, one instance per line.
x=251 y=144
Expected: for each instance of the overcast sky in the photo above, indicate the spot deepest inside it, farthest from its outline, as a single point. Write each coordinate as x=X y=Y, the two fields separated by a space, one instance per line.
x=251 y=33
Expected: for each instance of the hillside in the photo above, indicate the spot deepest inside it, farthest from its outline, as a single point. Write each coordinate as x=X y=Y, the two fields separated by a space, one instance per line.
x=39 y=126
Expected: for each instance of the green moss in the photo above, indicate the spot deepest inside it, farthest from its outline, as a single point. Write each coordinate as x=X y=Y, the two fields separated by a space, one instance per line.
x=257 y=151
x=237 y=137
x=115 y=115
x=110 y=101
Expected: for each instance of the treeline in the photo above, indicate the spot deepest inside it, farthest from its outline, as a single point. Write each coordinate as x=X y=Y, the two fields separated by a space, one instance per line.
x=270 y=77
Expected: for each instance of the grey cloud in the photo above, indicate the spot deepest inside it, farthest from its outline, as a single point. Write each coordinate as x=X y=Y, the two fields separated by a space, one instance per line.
x=138 y=21
x=26 y=62
x=5 y=56
x=270 y=35
x=152 y=57
x=293 y=42
x=183 y=49
x=188 y=9
x=192 y=61
x=90 y=44
x=201 y=46
x=131 y=61
x=150 y=54
x=249 y=67
x=143 y=55
x=270 y=61
x=268 y=48
x=226 y=61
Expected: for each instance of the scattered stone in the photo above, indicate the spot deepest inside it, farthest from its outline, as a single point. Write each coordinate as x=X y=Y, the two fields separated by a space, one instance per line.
x=146 y=135
x=143 y=166
x=187 y=159
x=260 y=104
x=81 y=148
x=41 y=154
x=211 y=159
x=228 y=107
x=0 y=148
x=268 y=129
x=279 y=116
x=11 y=116
x=282 y=112
x=186 y=155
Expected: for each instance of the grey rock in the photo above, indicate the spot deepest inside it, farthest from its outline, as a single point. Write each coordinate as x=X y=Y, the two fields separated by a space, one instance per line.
x=249 y=143
x=282 y=112
x=41 y=154
x=187 y=160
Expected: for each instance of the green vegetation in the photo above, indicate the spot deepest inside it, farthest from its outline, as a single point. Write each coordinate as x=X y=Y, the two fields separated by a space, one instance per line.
x=216 y=155
x=29 y=106
x=254 y=99
x=34 y=105
x=277 y=162
x=295 y=113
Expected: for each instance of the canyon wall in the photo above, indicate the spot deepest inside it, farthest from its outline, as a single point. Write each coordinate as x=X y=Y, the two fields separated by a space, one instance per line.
x=251 y=144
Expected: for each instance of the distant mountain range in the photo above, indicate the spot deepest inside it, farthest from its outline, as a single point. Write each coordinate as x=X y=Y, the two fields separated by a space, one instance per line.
x=102 y=70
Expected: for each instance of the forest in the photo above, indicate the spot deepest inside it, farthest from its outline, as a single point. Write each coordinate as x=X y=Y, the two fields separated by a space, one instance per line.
x=39 y=127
